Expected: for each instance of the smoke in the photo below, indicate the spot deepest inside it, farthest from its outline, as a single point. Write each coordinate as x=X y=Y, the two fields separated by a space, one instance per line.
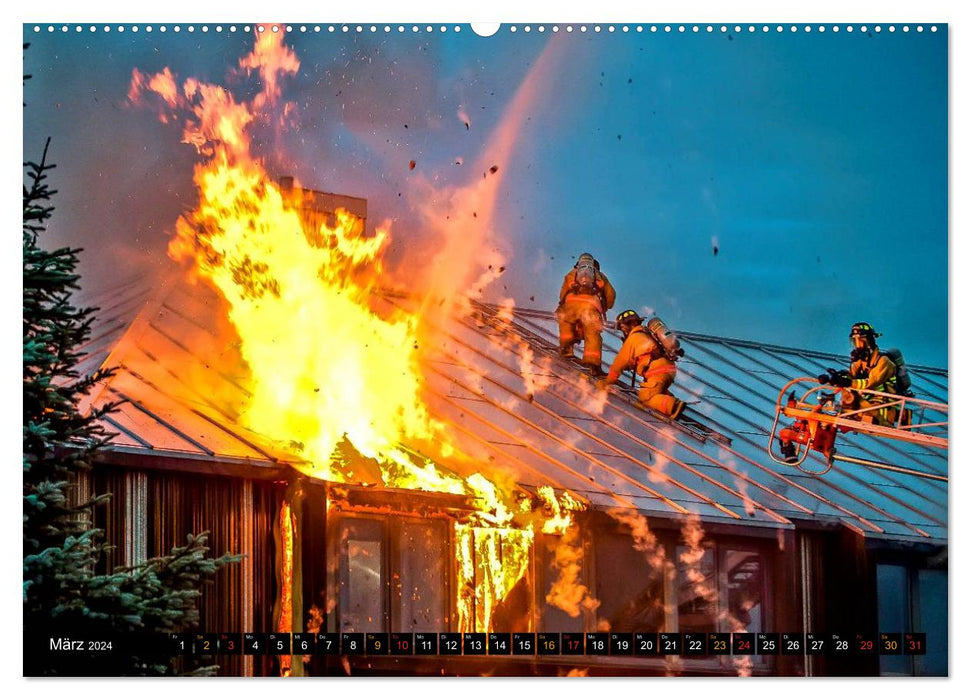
x=589 y=396
x=645 y=540
x=740 y=483
x=536 y=380
x=693 y=535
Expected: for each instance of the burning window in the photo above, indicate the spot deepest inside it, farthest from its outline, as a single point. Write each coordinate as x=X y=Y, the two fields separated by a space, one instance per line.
x=488 y=602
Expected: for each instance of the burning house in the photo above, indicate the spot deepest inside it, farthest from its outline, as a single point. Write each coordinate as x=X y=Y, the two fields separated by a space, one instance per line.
x=553 y=507
x=387 y=462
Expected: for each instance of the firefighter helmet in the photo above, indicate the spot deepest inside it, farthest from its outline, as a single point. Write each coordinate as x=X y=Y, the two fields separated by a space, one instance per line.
x=865 y=330
x=626 y=320
x=587 y=259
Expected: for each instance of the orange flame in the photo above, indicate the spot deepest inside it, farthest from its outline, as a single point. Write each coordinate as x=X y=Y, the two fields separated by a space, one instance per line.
x=284 y=622
x=491 y=561
x=323 y=365
x=566 y=592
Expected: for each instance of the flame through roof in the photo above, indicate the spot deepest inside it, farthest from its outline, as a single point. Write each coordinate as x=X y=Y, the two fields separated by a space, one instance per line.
x=480 y=384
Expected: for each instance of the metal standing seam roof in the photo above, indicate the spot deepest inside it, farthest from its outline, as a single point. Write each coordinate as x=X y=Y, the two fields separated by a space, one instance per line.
x=515 y=407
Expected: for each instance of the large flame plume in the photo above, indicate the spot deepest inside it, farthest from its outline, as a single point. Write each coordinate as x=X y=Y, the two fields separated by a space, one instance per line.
x=325 y=368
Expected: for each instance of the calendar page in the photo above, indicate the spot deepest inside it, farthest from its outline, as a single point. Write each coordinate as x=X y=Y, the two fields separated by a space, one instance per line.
x=523 y=349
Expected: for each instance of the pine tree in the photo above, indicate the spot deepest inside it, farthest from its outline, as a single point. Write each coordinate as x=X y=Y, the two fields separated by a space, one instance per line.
x=62 y=594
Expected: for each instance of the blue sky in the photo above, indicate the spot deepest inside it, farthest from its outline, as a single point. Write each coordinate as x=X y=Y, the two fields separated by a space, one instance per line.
x=818 y=162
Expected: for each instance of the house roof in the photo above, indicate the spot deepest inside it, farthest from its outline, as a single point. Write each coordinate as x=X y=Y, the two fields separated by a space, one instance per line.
x=514 y=406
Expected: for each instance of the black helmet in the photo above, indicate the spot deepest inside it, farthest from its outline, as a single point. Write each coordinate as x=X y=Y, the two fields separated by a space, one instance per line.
x=865 y=330
x=629 y=318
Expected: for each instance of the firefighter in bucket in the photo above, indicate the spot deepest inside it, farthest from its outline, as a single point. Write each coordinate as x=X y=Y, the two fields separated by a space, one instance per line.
x=870 y=369
x=649 y=350
x=586 y=295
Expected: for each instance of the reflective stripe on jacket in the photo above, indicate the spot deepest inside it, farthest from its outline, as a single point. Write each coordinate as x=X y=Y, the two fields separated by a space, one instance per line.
x=879 y=373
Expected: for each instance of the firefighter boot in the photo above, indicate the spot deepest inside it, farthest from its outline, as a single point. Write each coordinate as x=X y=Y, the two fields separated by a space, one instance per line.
x=678 y=409
x=595 y=369
x=566 y=349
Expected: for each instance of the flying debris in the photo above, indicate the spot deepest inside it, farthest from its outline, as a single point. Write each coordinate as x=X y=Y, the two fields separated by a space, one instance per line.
x=411 y=165
x=494 y=169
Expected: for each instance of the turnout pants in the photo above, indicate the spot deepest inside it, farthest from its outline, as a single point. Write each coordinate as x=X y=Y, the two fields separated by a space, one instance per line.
x=886 y=416
x=580 y=320
x=658 y=376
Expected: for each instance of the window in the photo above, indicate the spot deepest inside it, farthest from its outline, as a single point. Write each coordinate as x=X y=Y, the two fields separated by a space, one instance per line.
x=420 y=591
x=561 y=574
x=393 y=575
x=697 y=590
x=728 y=597
x=721 y=588
x=913 y=600
x=931 y=618
x=744 y=585
x=631 y=592
x=363 y=581
x=893 y=614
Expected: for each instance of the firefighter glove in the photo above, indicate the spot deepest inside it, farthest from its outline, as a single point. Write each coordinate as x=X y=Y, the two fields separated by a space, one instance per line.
x=839 y=378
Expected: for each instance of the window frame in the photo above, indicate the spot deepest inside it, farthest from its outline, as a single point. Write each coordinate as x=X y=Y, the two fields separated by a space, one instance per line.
x=765 y=548
x=392 y=554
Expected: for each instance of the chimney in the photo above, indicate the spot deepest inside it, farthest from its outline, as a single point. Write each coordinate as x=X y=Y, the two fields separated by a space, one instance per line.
x=286 y=183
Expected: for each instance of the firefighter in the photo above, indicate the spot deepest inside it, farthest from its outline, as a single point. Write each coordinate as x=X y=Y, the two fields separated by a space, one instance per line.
x=869 y=369
x=642 y=353
x=586 y=295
